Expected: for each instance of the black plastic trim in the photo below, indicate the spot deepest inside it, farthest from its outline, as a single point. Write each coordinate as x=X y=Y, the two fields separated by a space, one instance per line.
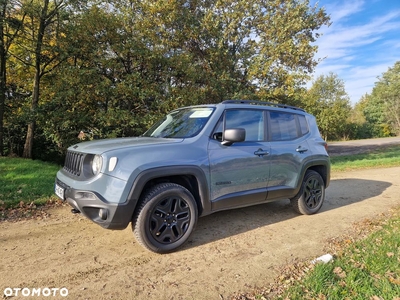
x=164 y=172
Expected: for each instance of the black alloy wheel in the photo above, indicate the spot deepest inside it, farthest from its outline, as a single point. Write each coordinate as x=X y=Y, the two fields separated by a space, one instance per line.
x=311 y=195
x=166 y=217
x=169 y=220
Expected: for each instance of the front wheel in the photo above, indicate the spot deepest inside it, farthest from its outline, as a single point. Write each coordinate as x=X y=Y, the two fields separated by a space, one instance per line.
x=166 y=217
x=311 y=195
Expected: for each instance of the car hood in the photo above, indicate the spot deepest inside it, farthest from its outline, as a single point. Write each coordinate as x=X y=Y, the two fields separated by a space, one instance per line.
x=101 y=146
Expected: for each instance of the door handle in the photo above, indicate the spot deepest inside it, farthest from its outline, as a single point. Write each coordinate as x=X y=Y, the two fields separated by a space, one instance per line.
x=301 y=150
x=260 y=152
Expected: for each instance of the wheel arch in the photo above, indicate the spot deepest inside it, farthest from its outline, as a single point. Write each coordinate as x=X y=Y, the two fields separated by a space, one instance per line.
x=190 y=177
x=322 y=170
x=321 y=166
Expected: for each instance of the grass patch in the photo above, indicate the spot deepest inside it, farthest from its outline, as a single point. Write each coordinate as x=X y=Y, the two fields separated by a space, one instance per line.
x=384 y=158
x=25 y=180
x=366 y=269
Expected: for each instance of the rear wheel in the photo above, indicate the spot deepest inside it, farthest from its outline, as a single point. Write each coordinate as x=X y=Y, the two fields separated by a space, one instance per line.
x=166 y=217
x=311 y=195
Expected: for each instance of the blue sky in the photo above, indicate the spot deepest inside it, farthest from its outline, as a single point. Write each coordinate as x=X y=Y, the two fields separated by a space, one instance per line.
x=361 y=44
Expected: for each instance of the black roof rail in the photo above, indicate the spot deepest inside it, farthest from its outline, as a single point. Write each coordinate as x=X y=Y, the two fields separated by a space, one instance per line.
x=254 y=102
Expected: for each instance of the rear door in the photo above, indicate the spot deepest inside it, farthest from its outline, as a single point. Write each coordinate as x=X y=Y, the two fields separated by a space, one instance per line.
x=289 y=150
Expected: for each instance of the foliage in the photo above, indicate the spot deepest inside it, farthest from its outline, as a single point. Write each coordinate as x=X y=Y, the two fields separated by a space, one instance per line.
x=111 y=68
x=10 y=26
x=381 y=108
x=328 y=101
x=360 y=128
x=386 y=95
x=373 y=111
x=375 y=115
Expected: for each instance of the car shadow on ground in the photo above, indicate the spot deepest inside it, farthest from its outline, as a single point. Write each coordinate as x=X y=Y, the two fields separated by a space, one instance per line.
x=220 y=225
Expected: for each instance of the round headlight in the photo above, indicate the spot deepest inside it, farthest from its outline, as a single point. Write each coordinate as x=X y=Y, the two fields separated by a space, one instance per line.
x=96 y=164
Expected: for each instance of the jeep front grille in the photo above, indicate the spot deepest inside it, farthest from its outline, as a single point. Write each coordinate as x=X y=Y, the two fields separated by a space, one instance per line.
x=73 y=163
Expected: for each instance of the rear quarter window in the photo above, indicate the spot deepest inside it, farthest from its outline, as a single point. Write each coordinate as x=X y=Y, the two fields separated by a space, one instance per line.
x=303 y=125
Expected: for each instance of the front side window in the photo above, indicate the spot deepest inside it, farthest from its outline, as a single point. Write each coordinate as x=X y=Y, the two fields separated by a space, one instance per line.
x=182 y=123
x=250 y=120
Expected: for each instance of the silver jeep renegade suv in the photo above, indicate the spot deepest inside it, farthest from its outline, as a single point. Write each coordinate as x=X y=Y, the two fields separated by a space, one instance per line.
x=194 y=162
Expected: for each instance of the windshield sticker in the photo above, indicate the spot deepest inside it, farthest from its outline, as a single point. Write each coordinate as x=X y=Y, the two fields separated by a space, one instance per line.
x=201 y=114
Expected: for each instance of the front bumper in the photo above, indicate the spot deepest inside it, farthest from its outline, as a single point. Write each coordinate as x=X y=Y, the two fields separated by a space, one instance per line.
x=97 y=209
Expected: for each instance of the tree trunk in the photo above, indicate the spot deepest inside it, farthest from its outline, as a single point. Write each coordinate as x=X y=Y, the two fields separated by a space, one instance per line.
x=2 y=96
x=2 y=99
x=30 y=135
x=29 y=140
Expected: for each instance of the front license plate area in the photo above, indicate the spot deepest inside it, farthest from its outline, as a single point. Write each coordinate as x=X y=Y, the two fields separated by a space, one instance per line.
x=59 y=191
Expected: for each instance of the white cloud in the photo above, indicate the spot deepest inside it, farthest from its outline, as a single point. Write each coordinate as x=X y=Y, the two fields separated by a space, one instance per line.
x=340 y=11
x=358 y=49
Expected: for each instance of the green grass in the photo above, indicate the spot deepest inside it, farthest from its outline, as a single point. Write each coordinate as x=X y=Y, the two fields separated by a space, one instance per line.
x=367 y=269
x=25 y=180
x=389 y=157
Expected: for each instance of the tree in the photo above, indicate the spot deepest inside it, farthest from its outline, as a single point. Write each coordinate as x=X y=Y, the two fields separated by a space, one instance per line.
x=3 y=77
x=328 y=101
x=134 y=60
x=37 y=50
x=10 y=25
x=213 y=50
x=128 y=61
x=284 y=56
x=373 y=111
x=361 y=128
x=385 y=97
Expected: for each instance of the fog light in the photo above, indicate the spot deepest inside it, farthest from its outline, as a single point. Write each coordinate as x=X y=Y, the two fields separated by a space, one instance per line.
x=103 y=213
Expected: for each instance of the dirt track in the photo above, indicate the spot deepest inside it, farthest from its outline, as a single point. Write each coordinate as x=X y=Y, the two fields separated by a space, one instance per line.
x=229 y=252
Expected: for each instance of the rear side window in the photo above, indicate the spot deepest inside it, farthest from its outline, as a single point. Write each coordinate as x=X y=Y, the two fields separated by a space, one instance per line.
x=284 y=126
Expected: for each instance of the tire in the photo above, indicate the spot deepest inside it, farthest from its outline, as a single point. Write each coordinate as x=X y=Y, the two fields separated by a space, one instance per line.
x=309 y=199
x=166 y=217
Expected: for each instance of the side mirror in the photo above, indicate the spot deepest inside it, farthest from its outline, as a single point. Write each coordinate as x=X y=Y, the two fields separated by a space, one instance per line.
x=233 y=135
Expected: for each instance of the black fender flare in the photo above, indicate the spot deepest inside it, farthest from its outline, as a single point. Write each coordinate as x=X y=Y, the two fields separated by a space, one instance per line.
x=151 y=174
x=315 y=164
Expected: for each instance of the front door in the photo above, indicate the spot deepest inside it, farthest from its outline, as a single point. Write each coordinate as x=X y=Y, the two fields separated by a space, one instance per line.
x=239 y=172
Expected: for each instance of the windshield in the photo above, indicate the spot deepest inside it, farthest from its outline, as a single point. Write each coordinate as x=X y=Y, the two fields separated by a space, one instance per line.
x=182 y=123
